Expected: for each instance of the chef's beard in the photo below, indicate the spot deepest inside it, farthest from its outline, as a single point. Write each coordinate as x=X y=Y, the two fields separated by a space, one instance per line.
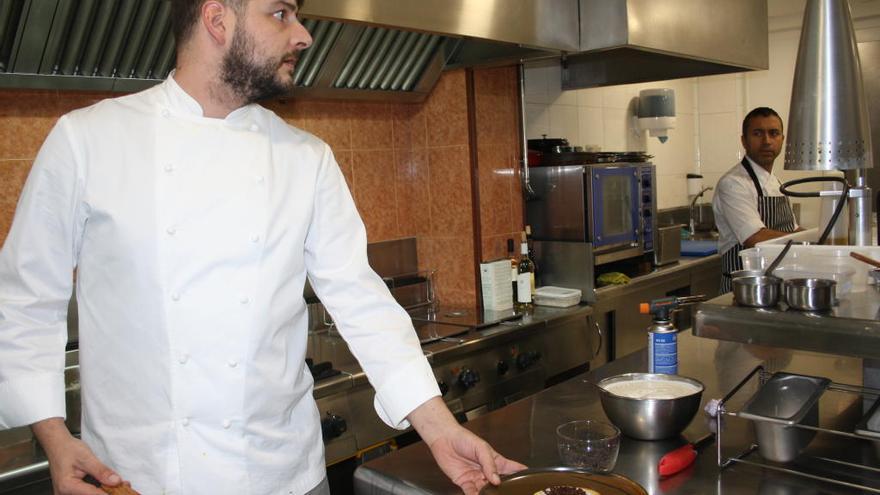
x=248 y=78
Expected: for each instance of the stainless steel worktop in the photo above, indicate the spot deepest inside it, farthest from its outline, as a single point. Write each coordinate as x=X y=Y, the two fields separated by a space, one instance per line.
x=525 y=430
x=851 y=328
x=684 y=263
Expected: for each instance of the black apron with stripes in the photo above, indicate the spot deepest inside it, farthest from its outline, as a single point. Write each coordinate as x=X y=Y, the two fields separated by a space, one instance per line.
x=775 y=212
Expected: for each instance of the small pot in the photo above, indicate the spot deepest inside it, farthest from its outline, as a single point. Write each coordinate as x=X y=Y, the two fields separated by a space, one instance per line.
x=810 y=294
x=756 y=291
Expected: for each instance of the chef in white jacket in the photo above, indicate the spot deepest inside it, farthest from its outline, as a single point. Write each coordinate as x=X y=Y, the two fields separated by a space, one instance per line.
x=192 y=217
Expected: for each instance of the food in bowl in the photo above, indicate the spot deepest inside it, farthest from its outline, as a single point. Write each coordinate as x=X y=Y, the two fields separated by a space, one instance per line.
x=566 y=490
x=647 y=418
x=652 y=389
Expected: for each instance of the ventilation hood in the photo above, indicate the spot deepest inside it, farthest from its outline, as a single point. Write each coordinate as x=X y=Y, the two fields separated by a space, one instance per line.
x=394 y=49
x=632 y=41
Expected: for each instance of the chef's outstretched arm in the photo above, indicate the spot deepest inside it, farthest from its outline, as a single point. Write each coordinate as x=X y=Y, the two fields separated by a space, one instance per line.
x=468 y=460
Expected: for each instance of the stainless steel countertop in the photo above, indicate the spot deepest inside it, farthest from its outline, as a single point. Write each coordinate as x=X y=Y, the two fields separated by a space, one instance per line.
x=525 y=430
x=684 y=263
x=851 y=328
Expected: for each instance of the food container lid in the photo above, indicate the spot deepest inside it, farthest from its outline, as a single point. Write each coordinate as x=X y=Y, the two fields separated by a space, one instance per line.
x=551 y=292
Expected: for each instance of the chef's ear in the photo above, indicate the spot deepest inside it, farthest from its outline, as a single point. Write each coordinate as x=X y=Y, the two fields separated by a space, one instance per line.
x=218 y=19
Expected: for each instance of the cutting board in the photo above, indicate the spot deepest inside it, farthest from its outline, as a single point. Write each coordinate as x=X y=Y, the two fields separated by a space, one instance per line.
x=698 y=248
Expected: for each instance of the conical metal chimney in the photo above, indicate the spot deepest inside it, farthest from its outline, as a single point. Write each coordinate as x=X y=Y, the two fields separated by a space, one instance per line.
x=828 y=127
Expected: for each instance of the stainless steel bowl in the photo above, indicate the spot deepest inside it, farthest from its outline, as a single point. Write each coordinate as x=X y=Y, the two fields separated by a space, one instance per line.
x=756 y=291
x=810 y=294
x=650 y=419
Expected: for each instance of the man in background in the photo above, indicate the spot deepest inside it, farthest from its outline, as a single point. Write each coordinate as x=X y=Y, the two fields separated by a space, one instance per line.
x=748 y=205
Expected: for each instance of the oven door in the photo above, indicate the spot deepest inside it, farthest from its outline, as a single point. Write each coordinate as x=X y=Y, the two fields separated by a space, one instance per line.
x=614 y=219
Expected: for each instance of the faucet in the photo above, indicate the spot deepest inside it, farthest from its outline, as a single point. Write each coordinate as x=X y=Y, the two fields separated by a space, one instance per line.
x=692 y=222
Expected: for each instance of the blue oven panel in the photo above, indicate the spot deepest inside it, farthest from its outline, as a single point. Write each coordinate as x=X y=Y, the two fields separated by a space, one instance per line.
x=646 y=199
x=616 y=205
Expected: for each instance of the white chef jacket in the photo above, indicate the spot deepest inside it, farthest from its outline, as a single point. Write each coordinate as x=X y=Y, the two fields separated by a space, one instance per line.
x=192 y=238
x=735 y=204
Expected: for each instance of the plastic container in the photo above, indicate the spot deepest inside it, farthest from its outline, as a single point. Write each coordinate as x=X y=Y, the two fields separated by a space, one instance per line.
x=558 y=297
x=830 y=262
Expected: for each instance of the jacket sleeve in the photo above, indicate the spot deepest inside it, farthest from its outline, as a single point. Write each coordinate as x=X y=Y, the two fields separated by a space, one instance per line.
x=379 y=332
x=739 y=207
x=36 y=278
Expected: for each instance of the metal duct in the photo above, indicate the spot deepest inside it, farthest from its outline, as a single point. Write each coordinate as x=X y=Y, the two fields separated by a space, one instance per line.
x=828 y=126
x=127 y=45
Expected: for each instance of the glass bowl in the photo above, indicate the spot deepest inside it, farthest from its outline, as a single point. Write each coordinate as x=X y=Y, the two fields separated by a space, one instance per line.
x=589 y=445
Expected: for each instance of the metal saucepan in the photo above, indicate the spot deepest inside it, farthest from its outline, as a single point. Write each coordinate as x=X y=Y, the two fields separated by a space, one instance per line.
x=756 y=291
x=810 y=294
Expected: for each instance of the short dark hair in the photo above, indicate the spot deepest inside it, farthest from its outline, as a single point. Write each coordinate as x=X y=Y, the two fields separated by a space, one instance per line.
x=759 y=112
x=185 y=14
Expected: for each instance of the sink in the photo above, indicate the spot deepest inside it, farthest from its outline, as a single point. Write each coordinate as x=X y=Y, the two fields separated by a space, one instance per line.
x=703 y=235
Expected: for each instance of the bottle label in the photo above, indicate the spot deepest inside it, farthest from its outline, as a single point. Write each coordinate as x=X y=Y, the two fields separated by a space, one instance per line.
x=524 y=288
x=513 y=274
x=663 y=353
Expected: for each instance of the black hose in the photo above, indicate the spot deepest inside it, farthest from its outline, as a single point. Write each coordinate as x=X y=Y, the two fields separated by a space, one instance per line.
x=842 y=201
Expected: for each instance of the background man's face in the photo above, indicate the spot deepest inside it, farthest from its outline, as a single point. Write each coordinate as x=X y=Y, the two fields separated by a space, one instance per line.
x=764 y=139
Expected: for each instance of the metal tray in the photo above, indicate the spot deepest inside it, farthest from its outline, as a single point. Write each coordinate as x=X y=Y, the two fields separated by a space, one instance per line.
x=869 y=425
x=785 y=399
x=532 y=480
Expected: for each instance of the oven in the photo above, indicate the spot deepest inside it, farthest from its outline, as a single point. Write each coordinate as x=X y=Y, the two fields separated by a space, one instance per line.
x=609 y=205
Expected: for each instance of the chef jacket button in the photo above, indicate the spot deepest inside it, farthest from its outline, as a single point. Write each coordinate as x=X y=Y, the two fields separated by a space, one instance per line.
x=175 y=296
x=255 y=238
x=232 y=363
x=171 y=230
x=260 y=179
x=169 y=168
x=183 y=358
x=254 y=128
x=185 y=422
x=226 y=424
x=244 y=299
x=165 y=112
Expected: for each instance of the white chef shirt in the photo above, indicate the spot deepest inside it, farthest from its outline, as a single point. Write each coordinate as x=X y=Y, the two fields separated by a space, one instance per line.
x=192 y=238
x=735 y=204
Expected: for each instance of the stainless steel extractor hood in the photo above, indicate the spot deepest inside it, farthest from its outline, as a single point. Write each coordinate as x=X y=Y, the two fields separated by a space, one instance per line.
x=631 y=41
x=395 y=49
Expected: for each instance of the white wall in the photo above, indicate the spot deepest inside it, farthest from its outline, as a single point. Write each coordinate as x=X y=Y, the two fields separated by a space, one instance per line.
x=709 y=110
x=602 y=117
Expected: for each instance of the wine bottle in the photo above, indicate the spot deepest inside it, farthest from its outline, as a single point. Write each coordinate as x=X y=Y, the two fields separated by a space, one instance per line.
x=525 y=276
x=514 y=265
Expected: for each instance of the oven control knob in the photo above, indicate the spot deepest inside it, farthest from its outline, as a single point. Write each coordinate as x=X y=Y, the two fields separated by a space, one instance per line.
x=502 y=367
x=525 y=360
x=333 y=426
x=444 y=388
x=468 y=378
x=646 y=182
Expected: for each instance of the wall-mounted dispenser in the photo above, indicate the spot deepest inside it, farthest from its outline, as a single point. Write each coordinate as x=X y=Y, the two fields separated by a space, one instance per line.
x=655 y=112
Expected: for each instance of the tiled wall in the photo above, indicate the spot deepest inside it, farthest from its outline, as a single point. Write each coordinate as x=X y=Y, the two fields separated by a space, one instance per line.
x=408 y=165
x=496 y=94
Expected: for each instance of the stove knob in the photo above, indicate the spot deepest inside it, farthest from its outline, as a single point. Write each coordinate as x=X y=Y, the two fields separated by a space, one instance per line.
x=468 y=378
x=525 y=360
x=502 y=367
x=444 y=388
x=333 y=426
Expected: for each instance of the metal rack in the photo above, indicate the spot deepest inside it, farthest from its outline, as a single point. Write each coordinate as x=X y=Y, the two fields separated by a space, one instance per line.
x=750 y=457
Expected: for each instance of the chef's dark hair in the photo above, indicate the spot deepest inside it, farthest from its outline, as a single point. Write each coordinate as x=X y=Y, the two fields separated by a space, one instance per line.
x=759 y=112
x=185 y=14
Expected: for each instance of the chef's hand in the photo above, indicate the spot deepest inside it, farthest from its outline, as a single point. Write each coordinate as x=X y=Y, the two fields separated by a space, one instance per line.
x=468 y=460
x=70 y=460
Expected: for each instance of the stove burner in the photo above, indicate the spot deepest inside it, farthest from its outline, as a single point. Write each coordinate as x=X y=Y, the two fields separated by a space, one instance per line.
x=322 y=370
